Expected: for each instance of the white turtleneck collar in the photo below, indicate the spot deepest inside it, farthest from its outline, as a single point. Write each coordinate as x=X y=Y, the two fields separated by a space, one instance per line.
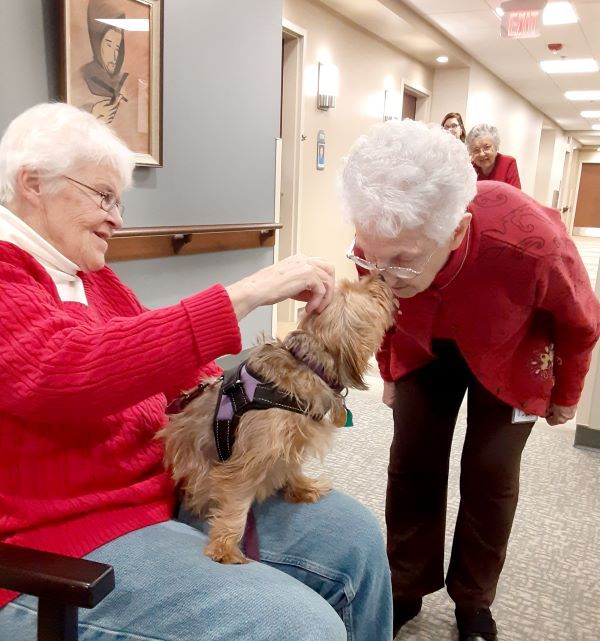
x=60 y=269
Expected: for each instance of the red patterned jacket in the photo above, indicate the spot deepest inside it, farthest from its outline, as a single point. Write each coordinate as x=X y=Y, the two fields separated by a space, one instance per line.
x=516 y=299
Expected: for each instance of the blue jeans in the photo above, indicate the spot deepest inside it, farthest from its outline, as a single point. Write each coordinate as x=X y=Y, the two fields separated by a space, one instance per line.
x=323 y=576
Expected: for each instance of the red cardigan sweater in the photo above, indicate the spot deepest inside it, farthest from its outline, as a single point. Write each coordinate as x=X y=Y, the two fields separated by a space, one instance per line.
x=84 y=390
x=516 y=299
x=505 y=171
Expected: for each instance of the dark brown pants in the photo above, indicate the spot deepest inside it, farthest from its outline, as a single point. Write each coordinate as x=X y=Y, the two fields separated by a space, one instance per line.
x=425 y=411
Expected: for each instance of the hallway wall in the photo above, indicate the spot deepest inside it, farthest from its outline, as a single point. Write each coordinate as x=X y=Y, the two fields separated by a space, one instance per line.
x=450 y=93
x=364 y=61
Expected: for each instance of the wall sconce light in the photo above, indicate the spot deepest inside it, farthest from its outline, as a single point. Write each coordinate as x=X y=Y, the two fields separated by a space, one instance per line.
x=392 y=104
x=327 y=86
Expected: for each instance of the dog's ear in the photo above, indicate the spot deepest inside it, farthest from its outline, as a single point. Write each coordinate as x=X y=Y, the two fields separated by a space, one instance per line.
x=352 y=362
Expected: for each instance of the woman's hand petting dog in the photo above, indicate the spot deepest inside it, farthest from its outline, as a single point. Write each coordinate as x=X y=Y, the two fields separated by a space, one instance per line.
x=310 y=280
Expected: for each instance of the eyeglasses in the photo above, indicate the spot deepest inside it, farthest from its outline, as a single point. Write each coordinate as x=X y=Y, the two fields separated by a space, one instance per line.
x=393 y=270
x=486 y=149
x=108 y=202
x=454 y=125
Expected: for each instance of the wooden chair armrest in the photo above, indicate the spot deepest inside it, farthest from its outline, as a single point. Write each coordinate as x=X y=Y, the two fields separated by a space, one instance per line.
x=60 y=579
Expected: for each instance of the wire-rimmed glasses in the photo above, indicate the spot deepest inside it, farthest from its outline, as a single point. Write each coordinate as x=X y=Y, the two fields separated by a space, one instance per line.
x=109 y=201
x=405 y=273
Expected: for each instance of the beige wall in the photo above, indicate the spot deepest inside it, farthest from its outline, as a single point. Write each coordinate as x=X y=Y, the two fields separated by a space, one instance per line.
x=544 y=167
x=450 y=93
x=589 y=156
x=364 y=62
x=588 y=411
x=562 y=144
x=554 y=144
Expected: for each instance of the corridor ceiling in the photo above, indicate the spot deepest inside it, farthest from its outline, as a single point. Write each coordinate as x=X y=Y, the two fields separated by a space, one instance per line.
x=470 y=29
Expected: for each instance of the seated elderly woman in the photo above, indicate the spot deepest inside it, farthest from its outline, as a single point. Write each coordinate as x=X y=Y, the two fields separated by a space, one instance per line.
x=483 y=143
x=493 y=299
x=86 y=372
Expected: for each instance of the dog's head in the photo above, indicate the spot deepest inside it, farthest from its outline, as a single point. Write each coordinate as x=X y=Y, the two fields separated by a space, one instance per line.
x=345 y=335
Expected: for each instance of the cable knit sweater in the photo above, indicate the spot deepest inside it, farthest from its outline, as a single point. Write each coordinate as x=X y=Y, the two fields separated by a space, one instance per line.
x=84 y=390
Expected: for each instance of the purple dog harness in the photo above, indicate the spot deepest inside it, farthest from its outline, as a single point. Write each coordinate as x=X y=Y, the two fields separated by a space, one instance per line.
x=241 y=392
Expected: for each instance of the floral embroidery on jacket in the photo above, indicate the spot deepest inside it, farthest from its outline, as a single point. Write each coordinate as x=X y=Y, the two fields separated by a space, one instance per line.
x=543 y=365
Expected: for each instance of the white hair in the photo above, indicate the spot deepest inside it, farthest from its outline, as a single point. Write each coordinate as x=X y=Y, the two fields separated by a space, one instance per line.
x=55 y=138
x=404 y=174
x=489 y=131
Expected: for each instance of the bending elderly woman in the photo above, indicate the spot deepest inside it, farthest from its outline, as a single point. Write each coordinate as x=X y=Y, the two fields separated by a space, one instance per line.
x=85 y=374
x=483 y=143
x=494 y=299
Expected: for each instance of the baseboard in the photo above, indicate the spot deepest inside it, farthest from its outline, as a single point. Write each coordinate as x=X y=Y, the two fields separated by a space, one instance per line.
x=587 y=437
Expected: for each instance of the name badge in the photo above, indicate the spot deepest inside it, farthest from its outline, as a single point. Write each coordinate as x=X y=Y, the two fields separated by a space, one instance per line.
x=519 y=416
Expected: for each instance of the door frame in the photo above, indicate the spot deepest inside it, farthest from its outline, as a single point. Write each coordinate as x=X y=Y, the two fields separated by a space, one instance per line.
x=289 y=184
x=423 y=97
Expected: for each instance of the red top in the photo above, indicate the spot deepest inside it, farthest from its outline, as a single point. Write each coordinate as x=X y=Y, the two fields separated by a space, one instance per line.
x=83 y=393
x=504 y=171
x=517 y=301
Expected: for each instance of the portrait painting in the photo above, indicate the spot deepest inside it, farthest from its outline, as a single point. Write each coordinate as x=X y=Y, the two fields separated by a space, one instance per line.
x=112 y=68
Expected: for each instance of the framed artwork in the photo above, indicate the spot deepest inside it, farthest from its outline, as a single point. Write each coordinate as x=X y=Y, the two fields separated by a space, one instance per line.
x=112 y=67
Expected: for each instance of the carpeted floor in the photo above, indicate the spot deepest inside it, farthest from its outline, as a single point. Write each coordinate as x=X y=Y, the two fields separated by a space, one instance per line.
x=550 y=587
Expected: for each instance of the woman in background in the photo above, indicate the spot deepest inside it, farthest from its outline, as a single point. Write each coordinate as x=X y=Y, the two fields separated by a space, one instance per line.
x=483 y=143
x=453 y=123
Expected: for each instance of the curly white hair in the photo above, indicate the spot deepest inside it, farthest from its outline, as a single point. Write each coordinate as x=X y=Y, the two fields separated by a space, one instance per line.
x=53 y=139
x=407 y=174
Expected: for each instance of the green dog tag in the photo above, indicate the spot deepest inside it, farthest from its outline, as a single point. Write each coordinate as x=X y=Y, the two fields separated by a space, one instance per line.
x=348 y=422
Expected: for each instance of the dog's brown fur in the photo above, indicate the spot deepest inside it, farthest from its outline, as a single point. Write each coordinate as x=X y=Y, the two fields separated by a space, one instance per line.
x=272 y=444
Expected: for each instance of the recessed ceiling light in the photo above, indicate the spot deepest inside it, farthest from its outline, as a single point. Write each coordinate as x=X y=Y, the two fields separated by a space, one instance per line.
x=499 y=11
x=442 y=59
x=582 y=95
x=596 y=127
x=559 y=13
x=590 y=114
x=579 y=65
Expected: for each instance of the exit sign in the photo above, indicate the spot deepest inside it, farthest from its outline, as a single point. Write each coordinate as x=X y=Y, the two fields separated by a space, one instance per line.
x=520 y=24
x=521 y=18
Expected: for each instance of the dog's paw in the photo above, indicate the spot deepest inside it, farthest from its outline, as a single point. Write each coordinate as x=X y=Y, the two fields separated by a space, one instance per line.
x=225 y=553
x=309 y=491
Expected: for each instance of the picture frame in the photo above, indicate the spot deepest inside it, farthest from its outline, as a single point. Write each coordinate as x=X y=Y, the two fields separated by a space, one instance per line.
x=112 y=66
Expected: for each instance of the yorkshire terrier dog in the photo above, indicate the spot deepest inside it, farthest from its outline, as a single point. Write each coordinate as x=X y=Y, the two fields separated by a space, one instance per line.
x=293 y=393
